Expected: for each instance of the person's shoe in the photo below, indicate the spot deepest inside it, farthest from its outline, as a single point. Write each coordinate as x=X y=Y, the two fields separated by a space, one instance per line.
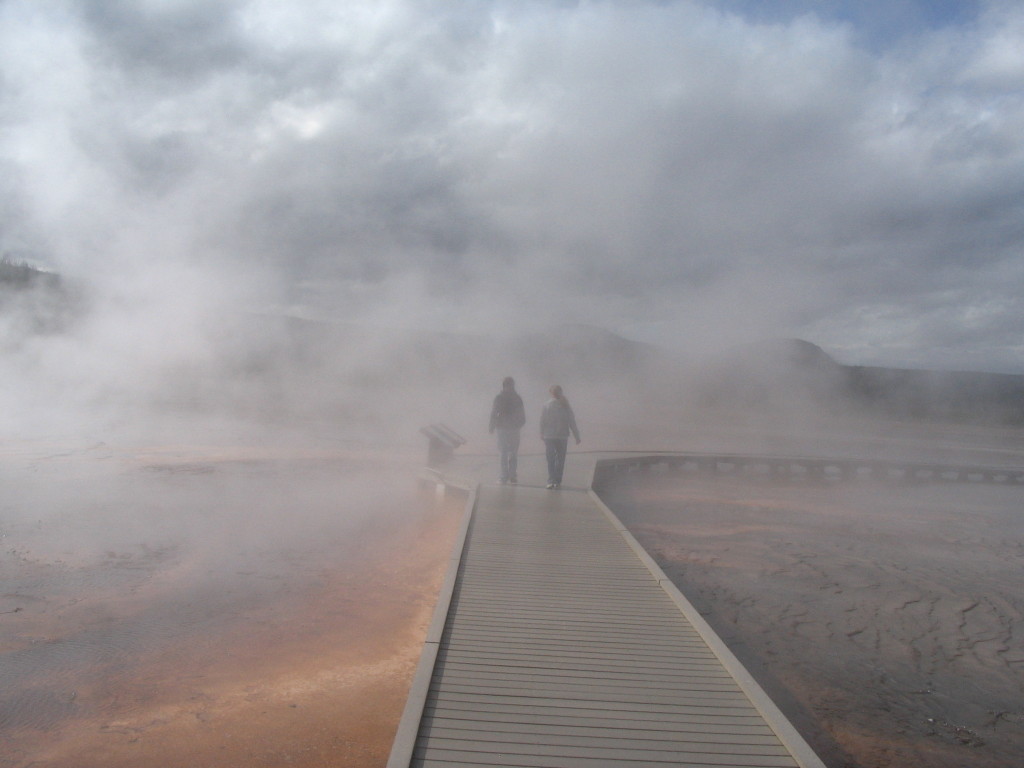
x=502 y=481
x=549 y=486
x=557 y=486
x=513 y=480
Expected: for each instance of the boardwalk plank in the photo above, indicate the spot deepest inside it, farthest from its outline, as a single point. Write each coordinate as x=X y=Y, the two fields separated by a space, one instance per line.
x=612 y=616
x=682 y=655
x=568 y=744
x=590 y=727
x=568 y=667
x=508 y=677
x=593 y=689
x=566 y=756
x=724 y=710
x=747 y=722
x=609 y=638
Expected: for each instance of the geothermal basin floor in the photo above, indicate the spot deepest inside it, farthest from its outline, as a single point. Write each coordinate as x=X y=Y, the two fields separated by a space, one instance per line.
x=560 y=642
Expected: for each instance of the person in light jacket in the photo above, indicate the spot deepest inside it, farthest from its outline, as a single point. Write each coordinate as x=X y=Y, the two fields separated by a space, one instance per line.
x=556 y=422
x=507 y=418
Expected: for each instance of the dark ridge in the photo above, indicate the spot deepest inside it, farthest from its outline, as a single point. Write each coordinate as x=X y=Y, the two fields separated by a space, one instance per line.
x=948 y=395
x=35 y=301
x=763 y=373
x=20 y=275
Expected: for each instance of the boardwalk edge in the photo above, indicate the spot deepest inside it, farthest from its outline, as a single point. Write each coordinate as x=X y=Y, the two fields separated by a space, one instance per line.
x=779 y=723
x=408 y=726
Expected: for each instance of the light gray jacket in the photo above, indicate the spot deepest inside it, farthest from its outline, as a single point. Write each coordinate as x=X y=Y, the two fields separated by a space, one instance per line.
x=557 y=420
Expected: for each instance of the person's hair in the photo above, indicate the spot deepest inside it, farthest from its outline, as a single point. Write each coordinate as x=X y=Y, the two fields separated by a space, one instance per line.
x=508 y=383
x=556 y=392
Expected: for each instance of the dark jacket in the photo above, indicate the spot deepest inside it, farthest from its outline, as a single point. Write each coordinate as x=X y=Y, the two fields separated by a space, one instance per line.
x=507 y=411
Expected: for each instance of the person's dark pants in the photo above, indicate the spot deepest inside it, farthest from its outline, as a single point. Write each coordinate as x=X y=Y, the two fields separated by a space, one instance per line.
x=556 y=448
x=508 y=450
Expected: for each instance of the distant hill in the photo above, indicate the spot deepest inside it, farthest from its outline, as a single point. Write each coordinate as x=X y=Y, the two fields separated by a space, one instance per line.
x=286 y=365
x=761 y=374
x=780 y=375
x=947 y=395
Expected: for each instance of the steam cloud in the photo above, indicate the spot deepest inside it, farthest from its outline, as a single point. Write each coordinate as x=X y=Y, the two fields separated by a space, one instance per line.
x=690 y=173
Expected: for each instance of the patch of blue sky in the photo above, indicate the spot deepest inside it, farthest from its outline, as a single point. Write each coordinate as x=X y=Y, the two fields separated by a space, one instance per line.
x=876 y=24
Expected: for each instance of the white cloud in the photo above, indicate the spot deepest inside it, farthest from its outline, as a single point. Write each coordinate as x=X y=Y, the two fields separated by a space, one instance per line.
x=638 y=165
x=998 y=63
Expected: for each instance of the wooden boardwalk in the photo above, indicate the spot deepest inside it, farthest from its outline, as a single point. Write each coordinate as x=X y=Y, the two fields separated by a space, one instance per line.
x=559 y=642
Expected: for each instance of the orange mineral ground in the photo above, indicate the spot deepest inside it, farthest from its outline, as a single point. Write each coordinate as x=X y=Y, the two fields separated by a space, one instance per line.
x=211 y=610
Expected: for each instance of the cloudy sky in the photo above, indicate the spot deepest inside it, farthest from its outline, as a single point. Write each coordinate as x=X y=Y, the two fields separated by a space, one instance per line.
x=692 y=173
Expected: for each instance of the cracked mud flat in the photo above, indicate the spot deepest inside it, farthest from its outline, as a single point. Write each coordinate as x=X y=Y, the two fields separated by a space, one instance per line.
x=174 y=610
x=886 y=620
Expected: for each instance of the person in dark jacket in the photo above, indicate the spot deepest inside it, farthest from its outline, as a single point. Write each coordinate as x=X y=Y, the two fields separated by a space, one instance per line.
x=507 y=417
x=556 y=422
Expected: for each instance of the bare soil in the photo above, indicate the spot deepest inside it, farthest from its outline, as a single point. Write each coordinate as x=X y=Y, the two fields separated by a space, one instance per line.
x=887 y=620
